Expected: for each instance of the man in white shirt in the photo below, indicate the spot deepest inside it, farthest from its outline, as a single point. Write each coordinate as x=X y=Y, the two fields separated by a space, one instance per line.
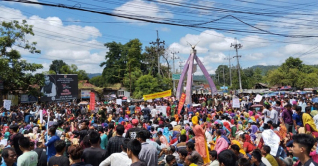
x=153 y=112
x=273 y=115
x=316 y=120
x=118 y=159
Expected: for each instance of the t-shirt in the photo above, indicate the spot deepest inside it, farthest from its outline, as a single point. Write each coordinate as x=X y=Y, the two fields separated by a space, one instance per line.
x=58 y=161
x=94 y=156
x=310 y=162
x=51 y=149
x=298 y=119
x=28 y=159
x=139 y=163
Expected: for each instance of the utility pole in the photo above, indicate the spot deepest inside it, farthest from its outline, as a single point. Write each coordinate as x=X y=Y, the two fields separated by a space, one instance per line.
x=230 y=68
x=180 y=65
x=236 y=47
x=173 y=69
x=223 y=78
x=160 y=46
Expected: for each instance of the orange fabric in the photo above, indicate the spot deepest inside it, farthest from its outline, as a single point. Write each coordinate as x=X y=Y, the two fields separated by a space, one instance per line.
x=200 y=142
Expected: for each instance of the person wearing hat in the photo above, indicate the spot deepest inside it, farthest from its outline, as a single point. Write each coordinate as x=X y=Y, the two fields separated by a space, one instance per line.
x=132 y=133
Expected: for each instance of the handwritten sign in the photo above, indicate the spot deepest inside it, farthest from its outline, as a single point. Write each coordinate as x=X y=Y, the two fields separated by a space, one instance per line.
x=272 y=140
x=7 y=104
x=236 y=103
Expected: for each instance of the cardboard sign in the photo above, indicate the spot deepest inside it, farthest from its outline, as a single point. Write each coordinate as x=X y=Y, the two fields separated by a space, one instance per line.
x=258 y=98
x=7 y=104
x=119 y=101
x=272 y=140
x=236 y=103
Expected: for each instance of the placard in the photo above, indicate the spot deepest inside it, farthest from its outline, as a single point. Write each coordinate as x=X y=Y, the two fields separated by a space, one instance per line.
x=7 y=104
x=162 y=109
x=258 y=98
x=119 y=101
x=271 y=139
x=24 y=99
x=236 y=103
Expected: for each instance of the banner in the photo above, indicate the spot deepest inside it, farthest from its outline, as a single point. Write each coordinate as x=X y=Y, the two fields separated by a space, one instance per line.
x=272 y=140
x=181 y=102
x=85 y=94
x=62 y=87
x=24 y=99
x=157 y=95
x=236 y=103
x=7 y=104
x=92 y=101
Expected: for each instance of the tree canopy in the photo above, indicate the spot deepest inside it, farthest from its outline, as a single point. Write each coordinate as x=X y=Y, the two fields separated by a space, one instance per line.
x=18 y=73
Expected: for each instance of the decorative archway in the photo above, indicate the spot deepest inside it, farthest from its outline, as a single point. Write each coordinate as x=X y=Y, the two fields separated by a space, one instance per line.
x=188 y=69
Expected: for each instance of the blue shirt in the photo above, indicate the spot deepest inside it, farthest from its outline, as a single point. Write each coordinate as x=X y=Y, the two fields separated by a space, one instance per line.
x=132 y=109
x=51 y=149
x=4 y=163
x=298 y=119
x=104 y=141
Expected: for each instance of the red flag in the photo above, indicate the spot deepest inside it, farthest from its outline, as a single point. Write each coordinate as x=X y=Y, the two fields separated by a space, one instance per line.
x=181 y=102
x=92 y=101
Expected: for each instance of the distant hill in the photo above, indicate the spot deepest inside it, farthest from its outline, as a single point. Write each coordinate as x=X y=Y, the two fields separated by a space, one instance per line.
x=91 y=75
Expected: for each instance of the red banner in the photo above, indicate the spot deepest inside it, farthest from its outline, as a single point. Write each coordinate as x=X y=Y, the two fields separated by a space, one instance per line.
x=181 y=102
x=92 y=101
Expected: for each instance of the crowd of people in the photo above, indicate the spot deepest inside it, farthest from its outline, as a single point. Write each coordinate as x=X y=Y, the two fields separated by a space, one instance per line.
x=276 y=131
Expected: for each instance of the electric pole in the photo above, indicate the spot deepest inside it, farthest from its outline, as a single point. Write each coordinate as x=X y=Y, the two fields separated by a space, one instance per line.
x=173 y=69
x=160 y=46
x=180 y=65
x=230 y=68
x=236 y=47
x=223 y=77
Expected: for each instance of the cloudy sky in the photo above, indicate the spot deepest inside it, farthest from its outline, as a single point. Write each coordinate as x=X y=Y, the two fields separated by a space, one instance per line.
x=270 y=31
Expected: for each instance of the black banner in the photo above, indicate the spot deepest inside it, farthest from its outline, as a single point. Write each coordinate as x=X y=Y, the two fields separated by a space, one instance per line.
x=60 y=87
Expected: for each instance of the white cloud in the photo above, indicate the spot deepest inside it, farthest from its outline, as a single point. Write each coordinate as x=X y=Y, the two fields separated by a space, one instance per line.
x=72 y=43
x=140 y=8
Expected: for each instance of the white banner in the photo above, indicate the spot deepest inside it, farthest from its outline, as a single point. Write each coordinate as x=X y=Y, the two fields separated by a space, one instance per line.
x=236 y=103
x=272 y=140
x=7 y=104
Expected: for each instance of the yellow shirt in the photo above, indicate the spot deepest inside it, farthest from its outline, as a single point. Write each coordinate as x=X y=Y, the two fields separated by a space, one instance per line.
x=192 y=164
x=271 y=160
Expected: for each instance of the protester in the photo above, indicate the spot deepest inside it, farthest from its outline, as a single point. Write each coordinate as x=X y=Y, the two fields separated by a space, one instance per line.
x=115 y=142
x=94 y=155
x=28 y=158
x=148 y=152
x=9 y=157
x=118 y=159
x=133 y=150
x=58 y=159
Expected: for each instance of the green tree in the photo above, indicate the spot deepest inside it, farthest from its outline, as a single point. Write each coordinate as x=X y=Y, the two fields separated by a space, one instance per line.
x=15 y=72
x=98 y=81
x=72 y=69
x=146 y=84
x=57 y=66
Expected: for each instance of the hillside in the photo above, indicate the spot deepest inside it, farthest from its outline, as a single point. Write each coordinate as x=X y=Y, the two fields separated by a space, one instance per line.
x=91 y=75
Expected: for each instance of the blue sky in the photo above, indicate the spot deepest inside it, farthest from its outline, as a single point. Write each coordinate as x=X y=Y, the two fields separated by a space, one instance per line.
x=77 y=37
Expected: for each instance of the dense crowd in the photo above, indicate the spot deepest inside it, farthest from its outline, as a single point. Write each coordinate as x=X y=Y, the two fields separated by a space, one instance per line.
x=276 y=131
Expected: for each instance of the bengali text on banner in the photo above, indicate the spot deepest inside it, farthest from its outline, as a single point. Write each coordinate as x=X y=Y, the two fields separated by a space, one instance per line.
x=157 y=95
x=181 y=102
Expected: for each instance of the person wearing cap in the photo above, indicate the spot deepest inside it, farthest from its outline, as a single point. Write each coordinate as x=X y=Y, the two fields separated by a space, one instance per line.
x=132 y=133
